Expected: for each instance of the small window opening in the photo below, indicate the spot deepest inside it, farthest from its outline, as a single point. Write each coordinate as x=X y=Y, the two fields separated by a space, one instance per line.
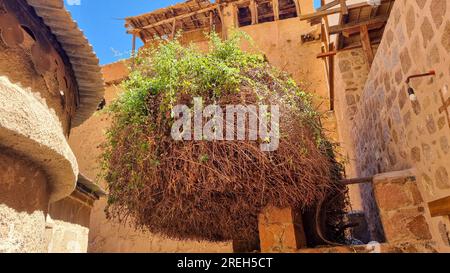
x=29 y=32
x=244 y=16
x=287 y=9
x=265 y=12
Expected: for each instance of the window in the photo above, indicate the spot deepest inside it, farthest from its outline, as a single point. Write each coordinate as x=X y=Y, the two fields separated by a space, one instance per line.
x=265 y=11
x=244 y=16
x=288 y=9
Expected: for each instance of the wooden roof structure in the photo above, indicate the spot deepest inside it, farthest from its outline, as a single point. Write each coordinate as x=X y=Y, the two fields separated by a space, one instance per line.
x=359 y=25
x=203 y=14
x=190 y=15
x=81 y=55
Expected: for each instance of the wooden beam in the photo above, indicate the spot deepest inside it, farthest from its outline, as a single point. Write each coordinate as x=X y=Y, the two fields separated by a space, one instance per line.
x=190 y=14
x=440 y=207
x=211 y=21
x=355 y=27
x=322 y=13
x=297 y=7
x=357 y=181
x=355 y=30
x=133 y=47
x=366 y=44
x=174 y=28
x=331 y=77
x=254 y=12
x=358 y=45
x=344 y=8
x=374 y=11
x=319 y=14
x=276 y=9
x=326 y=54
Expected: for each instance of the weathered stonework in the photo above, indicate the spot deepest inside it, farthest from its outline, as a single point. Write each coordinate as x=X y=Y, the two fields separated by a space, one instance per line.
x=281 y=230
x=402 y=209
x=39 y=99
x=389 y=132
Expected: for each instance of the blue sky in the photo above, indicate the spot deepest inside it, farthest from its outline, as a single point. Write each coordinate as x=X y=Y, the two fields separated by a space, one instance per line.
x=103 y=24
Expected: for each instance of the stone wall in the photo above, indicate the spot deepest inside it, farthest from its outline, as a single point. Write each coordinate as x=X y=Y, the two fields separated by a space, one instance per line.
x=388 y=131
x=403 y=213
x=281 y=230
x=351 y=71
x=23 y=205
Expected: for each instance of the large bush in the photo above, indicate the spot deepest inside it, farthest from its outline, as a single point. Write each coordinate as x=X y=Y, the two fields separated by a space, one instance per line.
x=211 y=190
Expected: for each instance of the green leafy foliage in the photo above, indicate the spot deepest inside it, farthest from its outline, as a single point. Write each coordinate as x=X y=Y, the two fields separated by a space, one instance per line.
x=187 y=189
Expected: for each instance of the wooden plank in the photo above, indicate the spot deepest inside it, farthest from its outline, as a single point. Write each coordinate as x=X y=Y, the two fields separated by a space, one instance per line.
x=366 y=44
x=440 y=207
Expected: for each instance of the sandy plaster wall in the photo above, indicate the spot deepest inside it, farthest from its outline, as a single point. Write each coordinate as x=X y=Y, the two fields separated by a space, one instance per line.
x=23 y=205
x=30 y=128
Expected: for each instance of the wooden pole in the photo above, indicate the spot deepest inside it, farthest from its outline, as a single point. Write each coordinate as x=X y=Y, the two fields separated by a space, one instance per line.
x=174 y=28
x=440 y=207
x=133 y=47
x=344 y=7
x=211 y=21
x=366 y=44
x=254 y=12
x=297 y=7
x=276 y=9
x=133 y=50
x=357 y=181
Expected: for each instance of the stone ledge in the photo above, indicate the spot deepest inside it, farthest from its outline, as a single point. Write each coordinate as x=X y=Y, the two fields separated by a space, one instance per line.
x=383 y=177
x=29 y=128
x=424 y=247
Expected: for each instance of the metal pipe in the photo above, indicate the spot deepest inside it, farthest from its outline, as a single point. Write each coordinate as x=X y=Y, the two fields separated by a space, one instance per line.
x=357 y=181
x=431 y=73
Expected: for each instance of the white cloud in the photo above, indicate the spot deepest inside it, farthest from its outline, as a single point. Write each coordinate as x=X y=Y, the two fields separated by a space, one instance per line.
x=74 y=2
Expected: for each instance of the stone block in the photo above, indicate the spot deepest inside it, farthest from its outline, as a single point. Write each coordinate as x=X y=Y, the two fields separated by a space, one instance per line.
x=280 y=230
